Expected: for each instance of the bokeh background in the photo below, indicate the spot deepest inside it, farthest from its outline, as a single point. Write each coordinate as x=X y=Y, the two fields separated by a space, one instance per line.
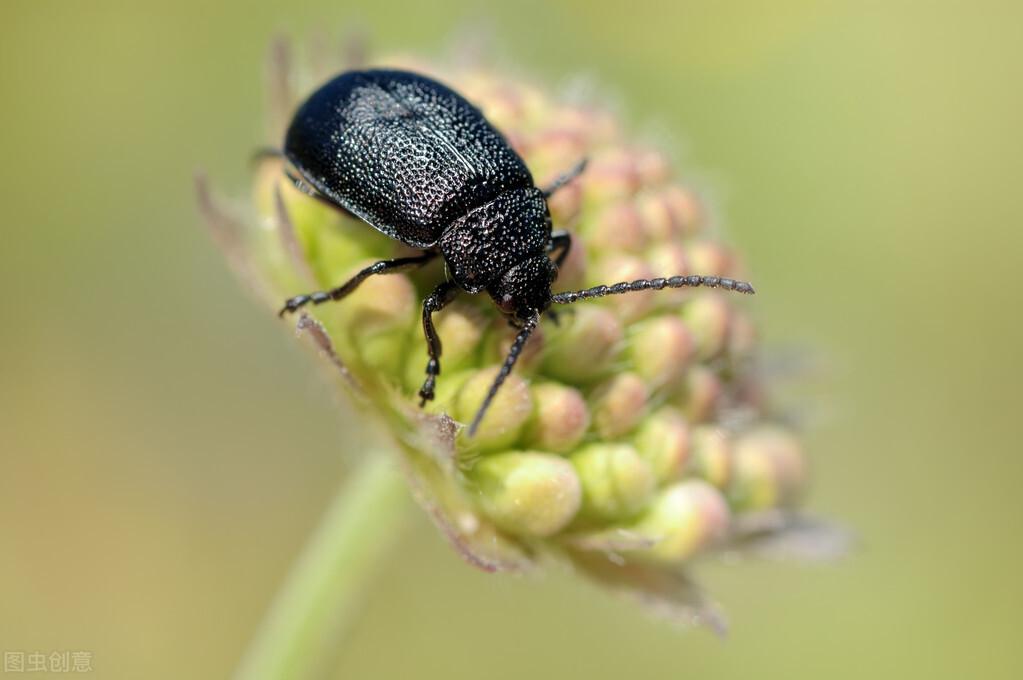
x=165 y=446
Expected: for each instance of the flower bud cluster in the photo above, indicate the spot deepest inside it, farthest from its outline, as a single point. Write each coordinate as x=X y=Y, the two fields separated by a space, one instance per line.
x=611 y=435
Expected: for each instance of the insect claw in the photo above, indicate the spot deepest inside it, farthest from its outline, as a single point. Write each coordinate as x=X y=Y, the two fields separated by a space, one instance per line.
x=425 y=394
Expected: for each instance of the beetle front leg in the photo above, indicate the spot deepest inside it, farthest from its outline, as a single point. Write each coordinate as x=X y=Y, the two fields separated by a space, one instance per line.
x=434 y=302
x=382 y=267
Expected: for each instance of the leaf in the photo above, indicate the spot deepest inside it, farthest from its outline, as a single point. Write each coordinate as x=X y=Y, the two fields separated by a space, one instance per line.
x=782 y=535
x=668 y=592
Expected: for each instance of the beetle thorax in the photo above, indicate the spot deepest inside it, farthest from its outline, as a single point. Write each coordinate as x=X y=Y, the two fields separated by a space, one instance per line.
x=484 y=245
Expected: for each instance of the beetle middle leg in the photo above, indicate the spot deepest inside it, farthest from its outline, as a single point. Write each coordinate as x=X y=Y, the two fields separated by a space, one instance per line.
x=398 y=264
x=561 y=241
x=443 y=294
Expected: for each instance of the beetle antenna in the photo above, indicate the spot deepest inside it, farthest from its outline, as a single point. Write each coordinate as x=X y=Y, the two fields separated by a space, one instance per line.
x=653 y=284
x=566 y=178
x=509 y=362
x=265 y=153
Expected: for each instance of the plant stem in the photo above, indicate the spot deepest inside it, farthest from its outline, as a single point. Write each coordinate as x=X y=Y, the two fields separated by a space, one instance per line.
x=322 y=593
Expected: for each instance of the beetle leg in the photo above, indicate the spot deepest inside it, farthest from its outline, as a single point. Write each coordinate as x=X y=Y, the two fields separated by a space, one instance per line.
x=382 y=267
x=434 y=302
x=309 y=191
x=561 y=241
x=265 y=153
x=566 y=178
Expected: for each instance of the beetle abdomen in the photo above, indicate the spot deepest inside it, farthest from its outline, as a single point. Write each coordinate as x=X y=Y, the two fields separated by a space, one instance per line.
x=403 y=152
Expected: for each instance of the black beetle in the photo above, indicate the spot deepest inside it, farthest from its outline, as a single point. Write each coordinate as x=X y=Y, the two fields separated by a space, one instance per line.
x=418 y=162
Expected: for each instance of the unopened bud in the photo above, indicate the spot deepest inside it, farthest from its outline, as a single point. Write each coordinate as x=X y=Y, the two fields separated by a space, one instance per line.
x=667 y=260
x=770 y=470
x=560 y=418
x=334 y=242
x=708 y=316
x=584 y=344
x=683 y=519
x=572 y=272
x=508 y=412
x=653 y=167
x=660 y=350
x=617 y=267
x=553 y=153
x=619 y=404
x=700 y=394
x=611 y=175
x=710 y=258
x=658 y=221
x=460 y=327
x=376 y=318
x=565 y=203
x=616 y=481
x=618 y=228
x=685 y=209
x=446 y=391
x=500 y=337
x=528 y=493
x=711 y=455
x=663 y=442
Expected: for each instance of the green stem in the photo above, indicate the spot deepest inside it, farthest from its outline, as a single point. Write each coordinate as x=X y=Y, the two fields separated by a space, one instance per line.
x=321 y=594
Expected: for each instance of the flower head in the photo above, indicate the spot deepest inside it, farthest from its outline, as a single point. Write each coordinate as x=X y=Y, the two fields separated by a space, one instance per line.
x=612 y=443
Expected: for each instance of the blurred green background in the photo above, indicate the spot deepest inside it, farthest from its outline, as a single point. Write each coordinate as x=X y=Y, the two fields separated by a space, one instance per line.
x=167 y=447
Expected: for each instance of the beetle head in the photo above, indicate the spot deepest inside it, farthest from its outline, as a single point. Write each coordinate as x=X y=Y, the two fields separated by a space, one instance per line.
x=524 y=291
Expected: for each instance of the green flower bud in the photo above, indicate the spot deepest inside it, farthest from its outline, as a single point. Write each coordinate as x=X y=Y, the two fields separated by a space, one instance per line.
x=663 y=441
x=618 y=228
x=584 y=345
x=498 y=341
x=711 y=455
x=770 y=470
x=708 y=317
x=658 y=221
x=700 y=394
x=377 y=319
x=446 y=391
x=653 y=167
x=547 y=152
x=619 y=404
x=669 y=259
x=333 y=243
x=710 y=258
x=461 y=325
x=660 y=350
x=507 y=415
x=560 y=420
x=528 y=493
x=621 y=267
x=611 y=175
x=683 y=519
x=616 y=481
x=685 y=210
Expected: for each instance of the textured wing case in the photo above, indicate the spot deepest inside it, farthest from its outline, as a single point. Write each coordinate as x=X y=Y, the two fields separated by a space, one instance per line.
x=401 y=151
